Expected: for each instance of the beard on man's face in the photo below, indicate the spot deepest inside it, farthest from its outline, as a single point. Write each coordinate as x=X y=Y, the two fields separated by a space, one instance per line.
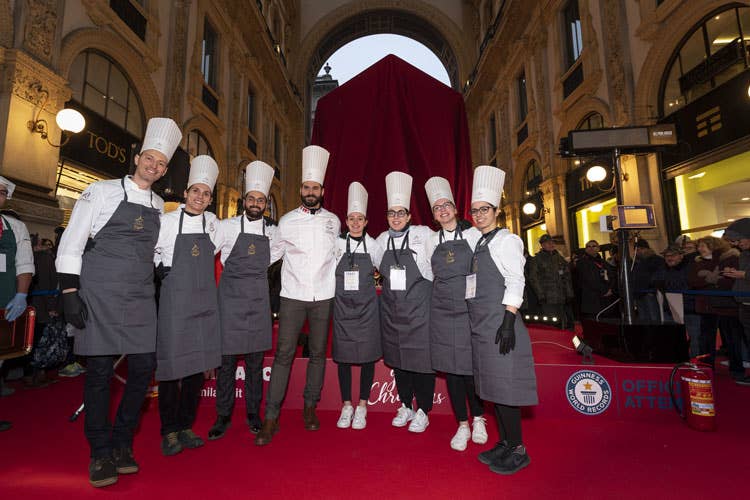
x=254 y=212
x=311 y=201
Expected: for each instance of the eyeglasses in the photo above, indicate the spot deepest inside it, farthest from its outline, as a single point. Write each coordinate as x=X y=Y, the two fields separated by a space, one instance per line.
x=592 y=246
x=260 y=200
x=392 y=214
x=481 y=210
x=445 y=206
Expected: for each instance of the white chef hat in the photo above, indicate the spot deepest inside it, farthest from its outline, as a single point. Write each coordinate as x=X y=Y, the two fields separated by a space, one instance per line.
x=258 y=177
x=398 y=189
x=357 y=199
x=314 y=164
x=162 y=135
x=203 y=170
x=488 y=185
x=438 y=188
x=11 y=186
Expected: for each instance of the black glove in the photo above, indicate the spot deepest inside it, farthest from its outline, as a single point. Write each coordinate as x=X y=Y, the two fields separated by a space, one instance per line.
x=162 y=271
x=506 y=334
x=75 y=310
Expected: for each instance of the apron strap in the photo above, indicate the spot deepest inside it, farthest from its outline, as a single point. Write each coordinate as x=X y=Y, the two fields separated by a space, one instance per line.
x=179 y=229
x=125 y=193
x=404 y=243
x=204 y=222
x=349 y=253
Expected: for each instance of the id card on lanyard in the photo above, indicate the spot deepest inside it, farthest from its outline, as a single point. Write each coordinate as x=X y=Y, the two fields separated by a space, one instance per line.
x=351 y=277
x=471 y=279
x=397 y=276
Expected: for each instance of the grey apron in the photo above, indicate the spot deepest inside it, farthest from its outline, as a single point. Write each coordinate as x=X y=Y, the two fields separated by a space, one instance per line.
x=188 y=339
x=117 y=284
x=244 y=299
x=356 y=318
x=507 y=379
x=405 y=314
x=450 y=333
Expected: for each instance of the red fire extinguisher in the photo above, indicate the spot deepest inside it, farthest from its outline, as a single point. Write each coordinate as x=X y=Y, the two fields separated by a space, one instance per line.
x=698 y=408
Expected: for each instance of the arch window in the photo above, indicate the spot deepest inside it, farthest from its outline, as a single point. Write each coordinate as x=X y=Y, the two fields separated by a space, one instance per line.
x=591 y=121
x=197 y=145
x=532 y=178
x=99 y=84
x=712 y=53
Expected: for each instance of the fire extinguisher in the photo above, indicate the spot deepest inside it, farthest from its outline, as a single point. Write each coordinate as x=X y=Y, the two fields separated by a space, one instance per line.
x=698 y=408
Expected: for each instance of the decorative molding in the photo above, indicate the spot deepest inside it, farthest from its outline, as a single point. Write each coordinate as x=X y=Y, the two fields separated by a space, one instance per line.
x=620 y=91
x=39 y=27
x=37 y=212
x=28 y=79
x=131 y=62
x=6 y=24
x=177 y=61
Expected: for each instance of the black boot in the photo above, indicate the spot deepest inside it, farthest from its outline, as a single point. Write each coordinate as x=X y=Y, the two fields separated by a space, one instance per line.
x=254 y=422
x=220 y=427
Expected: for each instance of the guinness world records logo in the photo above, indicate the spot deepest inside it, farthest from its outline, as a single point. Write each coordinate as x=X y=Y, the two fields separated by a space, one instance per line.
x=588 y=392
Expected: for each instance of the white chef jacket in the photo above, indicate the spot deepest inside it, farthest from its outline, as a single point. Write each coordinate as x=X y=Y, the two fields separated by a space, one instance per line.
x=373 y=248
x=170 y=226
x=230 y=231
x=419 y=240
x=24 y=254
x=307 y=243
x=506 y=250
x=91 y=213
x=471 y=236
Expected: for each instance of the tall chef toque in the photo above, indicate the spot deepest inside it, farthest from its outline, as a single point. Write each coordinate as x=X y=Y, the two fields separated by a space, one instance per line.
x=9 y=185
x=314 y=164
x=398 y=189
x=258 y=177
x=162 y=135
x=438 y=188
x=488 y=185
x=357 y=199
x=203 y=170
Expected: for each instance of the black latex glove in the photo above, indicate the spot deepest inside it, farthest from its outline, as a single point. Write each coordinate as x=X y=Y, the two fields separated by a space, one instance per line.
x=506 y=334
x=75 y=310
x=162 y=271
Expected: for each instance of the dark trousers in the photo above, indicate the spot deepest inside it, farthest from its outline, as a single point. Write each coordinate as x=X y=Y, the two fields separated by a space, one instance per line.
x=709 y=324
x=178 y=402
x=745 y=322
x=413 y=384
x=732 y=330
x=366 y=376
x=509 y=424
x=461 y=390
x=225 y=383
x=292 y=315
x=102 y=436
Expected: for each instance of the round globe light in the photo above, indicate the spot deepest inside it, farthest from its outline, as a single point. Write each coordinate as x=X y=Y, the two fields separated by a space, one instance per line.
x=596 y=173
x=70 y=120
x=529 y=208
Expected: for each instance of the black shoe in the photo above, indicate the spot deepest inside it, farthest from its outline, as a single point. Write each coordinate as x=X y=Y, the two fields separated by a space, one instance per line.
x=512 y=462
x=124 y=461
x=102 y=472
x=489 y=456
x=254 y=422
x=170 y=444
x=5 y=425
x=220 y=427
x=189 y=439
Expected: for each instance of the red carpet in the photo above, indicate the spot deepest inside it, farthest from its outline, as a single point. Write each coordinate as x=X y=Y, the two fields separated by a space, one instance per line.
x=45 y=456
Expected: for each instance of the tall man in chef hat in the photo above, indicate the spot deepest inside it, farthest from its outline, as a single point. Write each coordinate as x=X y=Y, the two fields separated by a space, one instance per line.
x=188 y=342
x=307 y=243
x=503 y=364
x=106 y=271
x=244 y=301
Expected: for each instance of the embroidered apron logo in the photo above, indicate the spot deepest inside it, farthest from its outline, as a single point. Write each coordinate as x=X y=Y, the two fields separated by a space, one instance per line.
x=450 y=257
x=195 y=251
x=251 y=249
x=138 y=224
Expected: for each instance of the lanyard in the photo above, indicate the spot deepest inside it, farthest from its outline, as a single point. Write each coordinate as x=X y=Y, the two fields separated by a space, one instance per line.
x=457 y=234
x=486 y=238
x=404 y=243
x=350 y=254
x=182 y=214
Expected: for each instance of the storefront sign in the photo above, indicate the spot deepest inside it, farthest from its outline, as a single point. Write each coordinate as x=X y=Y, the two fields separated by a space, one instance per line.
x=714 y=120
x=102 y=147
x=580 y=190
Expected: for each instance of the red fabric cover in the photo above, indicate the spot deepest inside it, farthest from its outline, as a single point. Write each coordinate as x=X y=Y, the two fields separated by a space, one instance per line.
x=393 y=116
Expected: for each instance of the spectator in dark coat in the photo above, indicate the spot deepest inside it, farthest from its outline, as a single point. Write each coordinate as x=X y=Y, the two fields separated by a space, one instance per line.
x=646 y=264
x=595 y=280
x=551 y=280
x=674 y=276
x=739 y=234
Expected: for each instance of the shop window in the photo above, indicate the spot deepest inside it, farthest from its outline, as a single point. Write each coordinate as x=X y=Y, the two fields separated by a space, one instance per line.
x=712 y=53
x=100 y=85
x=588 y=221
x=533 y=234
x=712 y=197
x=198 y=145
x=132 y=14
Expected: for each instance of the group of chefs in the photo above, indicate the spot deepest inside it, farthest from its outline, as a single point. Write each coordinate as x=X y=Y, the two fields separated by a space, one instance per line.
x=449 y=303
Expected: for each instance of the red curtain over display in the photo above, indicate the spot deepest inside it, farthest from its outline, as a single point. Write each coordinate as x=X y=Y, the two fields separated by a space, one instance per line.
x=393 y=116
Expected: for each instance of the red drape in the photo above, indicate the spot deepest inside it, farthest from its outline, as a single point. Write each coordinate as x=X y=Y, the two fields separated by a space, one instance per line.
x=393 y=116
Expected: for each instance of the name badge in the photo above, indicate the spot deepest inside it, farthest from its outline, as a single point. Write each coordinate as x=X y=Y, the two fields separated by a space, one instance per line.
x=351 y=281
x=3 y=266
x=398 y=278
x=471 y=286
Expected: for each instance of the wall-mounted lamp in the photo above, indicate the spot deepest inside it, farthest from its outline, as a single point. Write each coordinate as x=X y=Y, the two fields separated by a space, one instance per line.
x=598 y=173
x=529 y=208
x=69 y=120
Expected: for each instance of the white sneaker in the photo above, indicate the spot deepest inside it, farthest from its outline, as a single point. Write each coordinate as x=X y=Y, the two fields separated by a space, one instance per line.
x=479 y=430
x=345 y=420
x=461 y=438
x=420 y=422
x=360 y=418
x=403 y=416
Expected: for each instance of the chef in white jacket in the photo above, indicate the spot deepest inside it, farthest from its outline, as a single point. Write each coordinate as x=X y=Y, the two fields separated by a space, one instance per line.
x=188 y=340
